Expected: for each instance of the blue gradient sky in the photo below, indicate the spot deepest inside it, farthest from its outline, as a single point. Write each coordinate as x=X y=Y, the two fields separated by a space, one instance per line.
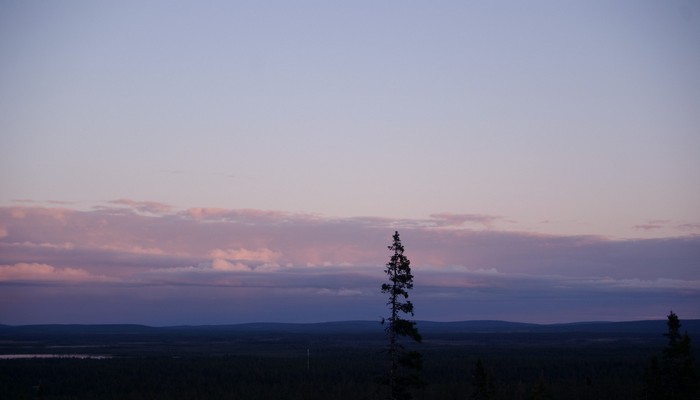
x=553 y=121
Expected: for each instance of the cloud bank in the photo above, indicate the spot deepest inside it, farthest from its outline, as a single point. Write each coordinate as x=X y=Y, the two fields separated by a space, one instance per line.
x=146 y=262
x=35 y=272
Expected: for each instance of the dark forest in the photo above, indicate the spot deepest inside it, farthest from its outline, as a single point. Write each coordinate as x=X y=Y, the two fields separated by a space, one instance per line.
x=342 y=360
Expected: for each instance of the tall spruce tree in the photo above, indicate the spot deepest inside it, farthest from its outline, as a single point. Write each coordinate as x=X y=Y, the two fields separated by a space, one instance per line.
x=674 y=376
x=482 y=383
x=404 y=366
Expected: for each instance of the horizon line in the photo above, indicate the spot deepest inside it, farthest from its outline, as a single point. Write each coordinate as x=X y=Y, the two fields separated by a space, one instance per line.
x=345 y=321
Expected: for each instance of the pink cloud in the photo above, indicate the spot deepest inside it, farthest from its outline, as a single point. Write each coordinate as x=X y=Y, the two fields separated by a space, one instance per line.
x=17 y=212
x=151 y=207
x=130 y=248
x=262 y=255
x=65 y=246
x=207 y=213
x=127 y=244
x=45 y=272
x=307 y=262
x=239 y=215
x=59 y=214
x=222 y=265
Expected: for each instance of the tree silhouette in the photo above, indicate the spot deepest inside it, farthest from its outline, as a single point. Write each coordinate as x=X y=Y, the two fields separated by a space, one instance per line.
x=673 y=377
x=482 y=382
x=404 y=365
x=541 y=391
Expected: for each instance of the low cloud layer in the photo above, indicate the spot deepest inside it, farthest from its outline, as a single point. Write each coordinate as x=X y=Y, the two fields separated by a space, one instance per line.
x=122 y=262
x=35 y=272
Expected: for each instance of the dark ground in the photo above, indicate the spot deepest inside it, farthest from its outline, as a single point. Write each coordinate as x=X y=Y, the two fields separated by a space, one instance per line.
x=345 y=360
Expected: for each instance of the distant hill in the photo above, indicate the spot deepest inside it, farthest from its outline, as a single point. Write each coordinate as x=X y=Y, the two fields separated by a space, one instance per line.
x=646 y=327
x=629 y=327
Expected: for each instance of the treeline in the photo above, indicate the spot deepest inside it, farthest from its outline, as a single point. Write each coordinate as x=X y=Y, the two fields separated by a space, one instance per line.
x=581 y=372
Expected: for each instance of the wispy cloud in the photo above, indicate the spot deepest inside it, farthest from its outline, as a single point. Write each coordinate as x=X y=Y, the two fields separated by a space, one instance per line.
x=265 y=237
x=36 y=272
x=665 y=224
x=456 y=220
x=61 y=202
x=260 y=255
x=648 y=227
x=152 y=207
x=655 y=224
x=689 y=227
x=24 y=201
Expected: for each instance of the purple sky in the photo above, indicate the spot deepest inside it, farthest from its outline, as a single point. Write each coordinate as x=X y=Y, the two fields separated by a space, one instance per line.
x=173 y=162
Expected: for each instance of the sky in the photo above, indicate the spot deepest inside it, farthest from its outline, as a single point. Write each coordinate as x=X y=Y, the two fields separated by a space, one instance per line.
x=212 y=162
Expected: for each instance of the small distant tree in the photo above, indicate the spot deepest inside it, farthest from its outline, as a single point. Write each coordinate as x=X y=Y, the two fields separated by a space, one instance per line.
x=673 y=376
x=482 y=382
x=541 y=390
x=404 y=365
